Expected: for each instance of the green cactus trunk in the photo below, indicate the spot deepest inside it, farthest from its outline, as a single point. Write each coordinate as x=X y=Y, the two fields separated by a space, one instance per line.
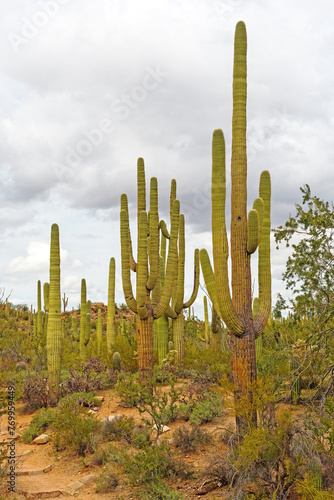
x=46 y=295
x=216 y=334
x=206 y=322
x=111 y=333
x=247 y=234
x=145 y=348
x=116 y=361
x=83 y=321
x=99 y=332
x=162 y=324
x=178 y=335
x=54 y=331
x=39 y=311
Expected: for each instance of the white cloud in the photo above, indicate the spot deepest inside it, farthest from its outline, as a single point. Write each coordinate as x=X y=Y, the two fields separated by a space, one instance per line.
x=36 y=260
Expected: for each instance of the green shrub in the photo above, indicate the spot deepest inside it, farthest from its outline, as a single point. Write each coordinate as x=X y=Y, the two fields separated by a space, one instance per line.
x=202 y=409
x=107 y=481
x=308 y=490
x=119 y=429
x=159 y=405
x=154 y=463
x=75 y=428
x=126 y=346
x=128 y=390
x=159 y=490
x=85 y=399
x=321 y=424
x=189 y=439
x=111 y=453
x=39 y=422
x=269 y=461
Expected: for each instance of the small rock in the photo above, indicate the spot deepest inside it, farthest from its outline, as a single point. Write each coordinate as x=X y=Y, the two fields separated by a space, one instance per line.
x=72 y=488
x=112 y=418
x=88 y=479
x=42 y=439
x=99 y=398
x=163 y=428
x=27 y=452
x=48 y=468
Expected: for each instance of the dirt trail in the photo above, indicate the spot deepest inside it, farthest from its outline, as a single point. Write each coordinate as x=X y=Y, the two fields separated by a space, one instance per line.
x=43 y=473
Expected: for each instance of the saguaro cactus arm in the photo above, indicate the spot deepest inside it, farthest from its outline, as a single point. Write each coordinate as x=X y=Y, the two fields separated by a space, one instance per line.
x=217 y=284
x=264 y=273
x=171 y=266
x=154 y=236
x=125 y=253
x=124 y=206
x=193 y=296
x=46 y=294
x=178 y=306
x=253 y=231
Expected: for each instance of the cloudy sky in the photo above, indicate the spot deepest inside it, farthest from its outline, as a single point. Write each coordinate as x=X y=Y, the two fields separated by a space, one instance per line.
x=88 y=87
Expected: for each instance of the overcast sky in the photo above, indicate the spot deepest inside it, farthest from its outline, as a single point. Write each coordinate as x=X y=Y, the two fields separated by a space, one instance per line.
x=88 y=87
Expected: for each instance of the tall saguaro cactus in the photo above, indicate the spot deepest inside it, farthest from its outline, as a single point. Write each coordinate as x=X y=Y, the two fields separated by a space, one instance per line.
x=54 y=331
x=39 y=311
x=247 y=234
x=111 y=335
x=84 y=332
x=146 y=305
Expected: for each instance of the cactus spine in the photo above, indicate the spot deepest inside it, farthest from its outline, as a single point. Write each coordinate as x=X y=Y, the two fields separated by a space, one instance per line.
x=145 y=305
x=247 y=234
x=111 y=335
x=54 y=331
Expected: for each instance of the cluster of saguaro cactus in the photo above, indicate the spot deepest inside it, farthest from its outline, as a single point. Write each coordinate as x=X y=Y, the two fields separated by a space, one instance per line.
x=175 y=312
x=247 y=234
x=147 y=305
x=54 y=331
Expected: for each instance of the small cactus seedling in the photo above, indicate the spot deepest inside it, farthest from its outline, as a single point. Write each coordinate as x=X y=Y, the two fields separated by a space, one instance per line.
x=116 y=361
